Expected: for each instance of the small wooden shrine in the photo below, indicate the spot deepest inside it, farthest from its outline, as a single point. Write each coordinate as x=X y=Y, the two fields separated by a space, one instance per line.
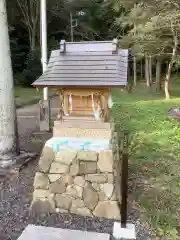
x=77 y=172
x=83 y=74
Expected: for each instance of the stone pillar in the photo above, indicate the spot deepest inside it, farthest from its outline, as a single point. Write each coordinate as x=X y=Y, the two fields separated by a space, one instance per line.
x=44 y=117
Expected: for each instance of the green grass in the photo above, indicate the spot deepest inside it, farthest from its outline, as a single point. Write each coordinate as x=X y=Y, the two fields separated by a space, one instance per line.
x=27 y=96
x=155 y=155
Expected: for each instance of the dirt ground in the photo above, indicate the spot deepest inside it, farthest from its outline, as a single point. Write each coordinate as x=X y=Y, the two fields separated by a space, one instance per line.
x=28 y=123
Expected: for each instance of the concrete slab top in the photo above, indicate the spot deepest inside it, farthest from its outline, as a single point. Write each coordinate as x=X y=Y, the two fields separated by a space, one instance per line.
x=59 y=143
x=49 y=233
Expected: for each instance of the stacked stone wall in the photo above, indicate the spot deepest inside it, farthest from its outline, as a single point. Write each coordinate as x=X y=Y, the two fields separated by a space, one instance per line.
x=79 y=182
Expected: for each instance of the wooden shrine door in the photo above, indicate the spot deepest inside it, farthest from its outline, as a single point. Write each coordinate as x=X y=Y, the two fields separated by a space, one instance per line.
x=82 y=101
x=82 y=106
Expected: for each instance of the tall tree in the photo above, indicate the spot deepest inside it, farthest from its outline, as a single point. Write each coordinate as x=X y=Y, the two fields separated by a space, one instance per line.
x=158 y=74
x=30 y=11
x=8 y=136
x=157 y=30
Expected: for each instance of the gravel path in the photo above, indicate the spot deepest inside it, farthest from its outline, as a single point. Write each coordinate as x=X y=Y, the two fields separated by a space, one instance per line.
x=16 y=192
x=14 y=211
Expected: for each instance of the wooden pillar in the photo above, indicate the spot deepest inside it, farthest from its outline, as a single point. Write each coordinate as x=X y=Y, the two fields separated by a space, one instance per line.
x=104 y=106
x=66 y=103
x=61 y=110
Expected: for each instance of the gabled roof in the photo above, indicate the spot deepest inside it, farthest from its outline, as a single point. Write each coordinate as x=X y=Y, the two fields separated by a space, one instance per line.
x=86 y=64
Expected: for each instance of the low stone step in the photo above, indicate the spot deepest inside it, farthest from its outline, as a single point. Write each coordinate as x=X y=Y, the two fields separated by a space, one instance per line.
x=48 y=233
x=81 y=133
x=82 y=123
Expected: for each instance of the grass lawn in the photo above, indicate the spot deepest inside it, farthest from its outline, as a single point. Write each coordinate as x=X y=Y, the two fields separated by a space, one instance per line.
x=155 y=155
x=27 y=96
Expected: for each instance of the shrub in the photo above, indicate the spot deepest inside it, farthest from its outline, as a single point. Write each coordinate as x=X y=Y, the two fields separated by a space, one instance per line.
x=33 y=69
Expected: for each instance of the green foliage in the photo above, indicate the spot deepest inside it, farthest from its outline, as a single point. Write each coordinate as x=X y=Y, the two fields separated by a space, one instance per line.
x=98 y=23
x=32 y=69
x=154 y=155
x=151 y=25
x=18 y=55
x=52 y=44
x=19 y=79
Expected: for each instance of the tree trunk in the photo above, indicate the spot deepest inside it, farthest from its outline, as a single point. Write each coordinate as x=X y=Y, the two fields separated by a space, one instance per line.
x=135 y=71
x=33 y=39
x=150 y=70
x=8 y=130
x=147 y=71
x=141 y=69
x=130 y=76
x=168 y=75
x=158 y=75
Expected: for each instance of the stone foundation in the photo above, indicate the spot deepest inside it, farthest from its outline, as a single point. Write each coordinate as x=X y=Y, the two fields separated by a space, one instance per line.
x=76 y=181
x=78 y=172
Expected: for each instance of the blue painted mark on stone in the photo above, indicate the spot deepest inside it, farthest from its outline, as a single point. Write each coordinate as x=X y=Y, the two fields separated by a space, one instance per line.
x=78 y=143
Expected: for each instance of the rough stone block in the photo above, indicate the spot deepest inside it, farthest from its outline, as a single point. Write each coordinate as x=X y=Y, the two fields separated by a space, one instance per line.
x=81 y=211
x=87 y=155
x=54 y=177
x=87 y=167
x=59 y=210
x=59 y=168
x=116 y=173
x=114 y=197
x=96 y=187
x=77 y=203
x=39 y=193
x=96 y=178
x=42 y=206
x=41 y=181
x=74 y=191
x=107 y=188
x=110 y=178
x=63 y=201
x=74 y=168
x=90 y=196
x=105 y=162
x=47 y=157
x=79 y=180
x=67 y=178
x=58 y=187
x=66 y=156
x=102 y=196
x=107 y=209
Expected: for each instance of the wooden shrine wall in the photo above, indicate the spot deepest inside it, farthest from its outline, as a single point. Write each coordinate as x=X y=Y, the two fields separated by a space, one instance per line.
x=82 y=100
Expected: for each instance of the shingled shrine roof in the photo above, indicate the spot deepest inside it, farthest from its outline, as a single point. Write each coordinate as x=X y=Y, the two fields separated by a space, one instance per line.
x=86 y=64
